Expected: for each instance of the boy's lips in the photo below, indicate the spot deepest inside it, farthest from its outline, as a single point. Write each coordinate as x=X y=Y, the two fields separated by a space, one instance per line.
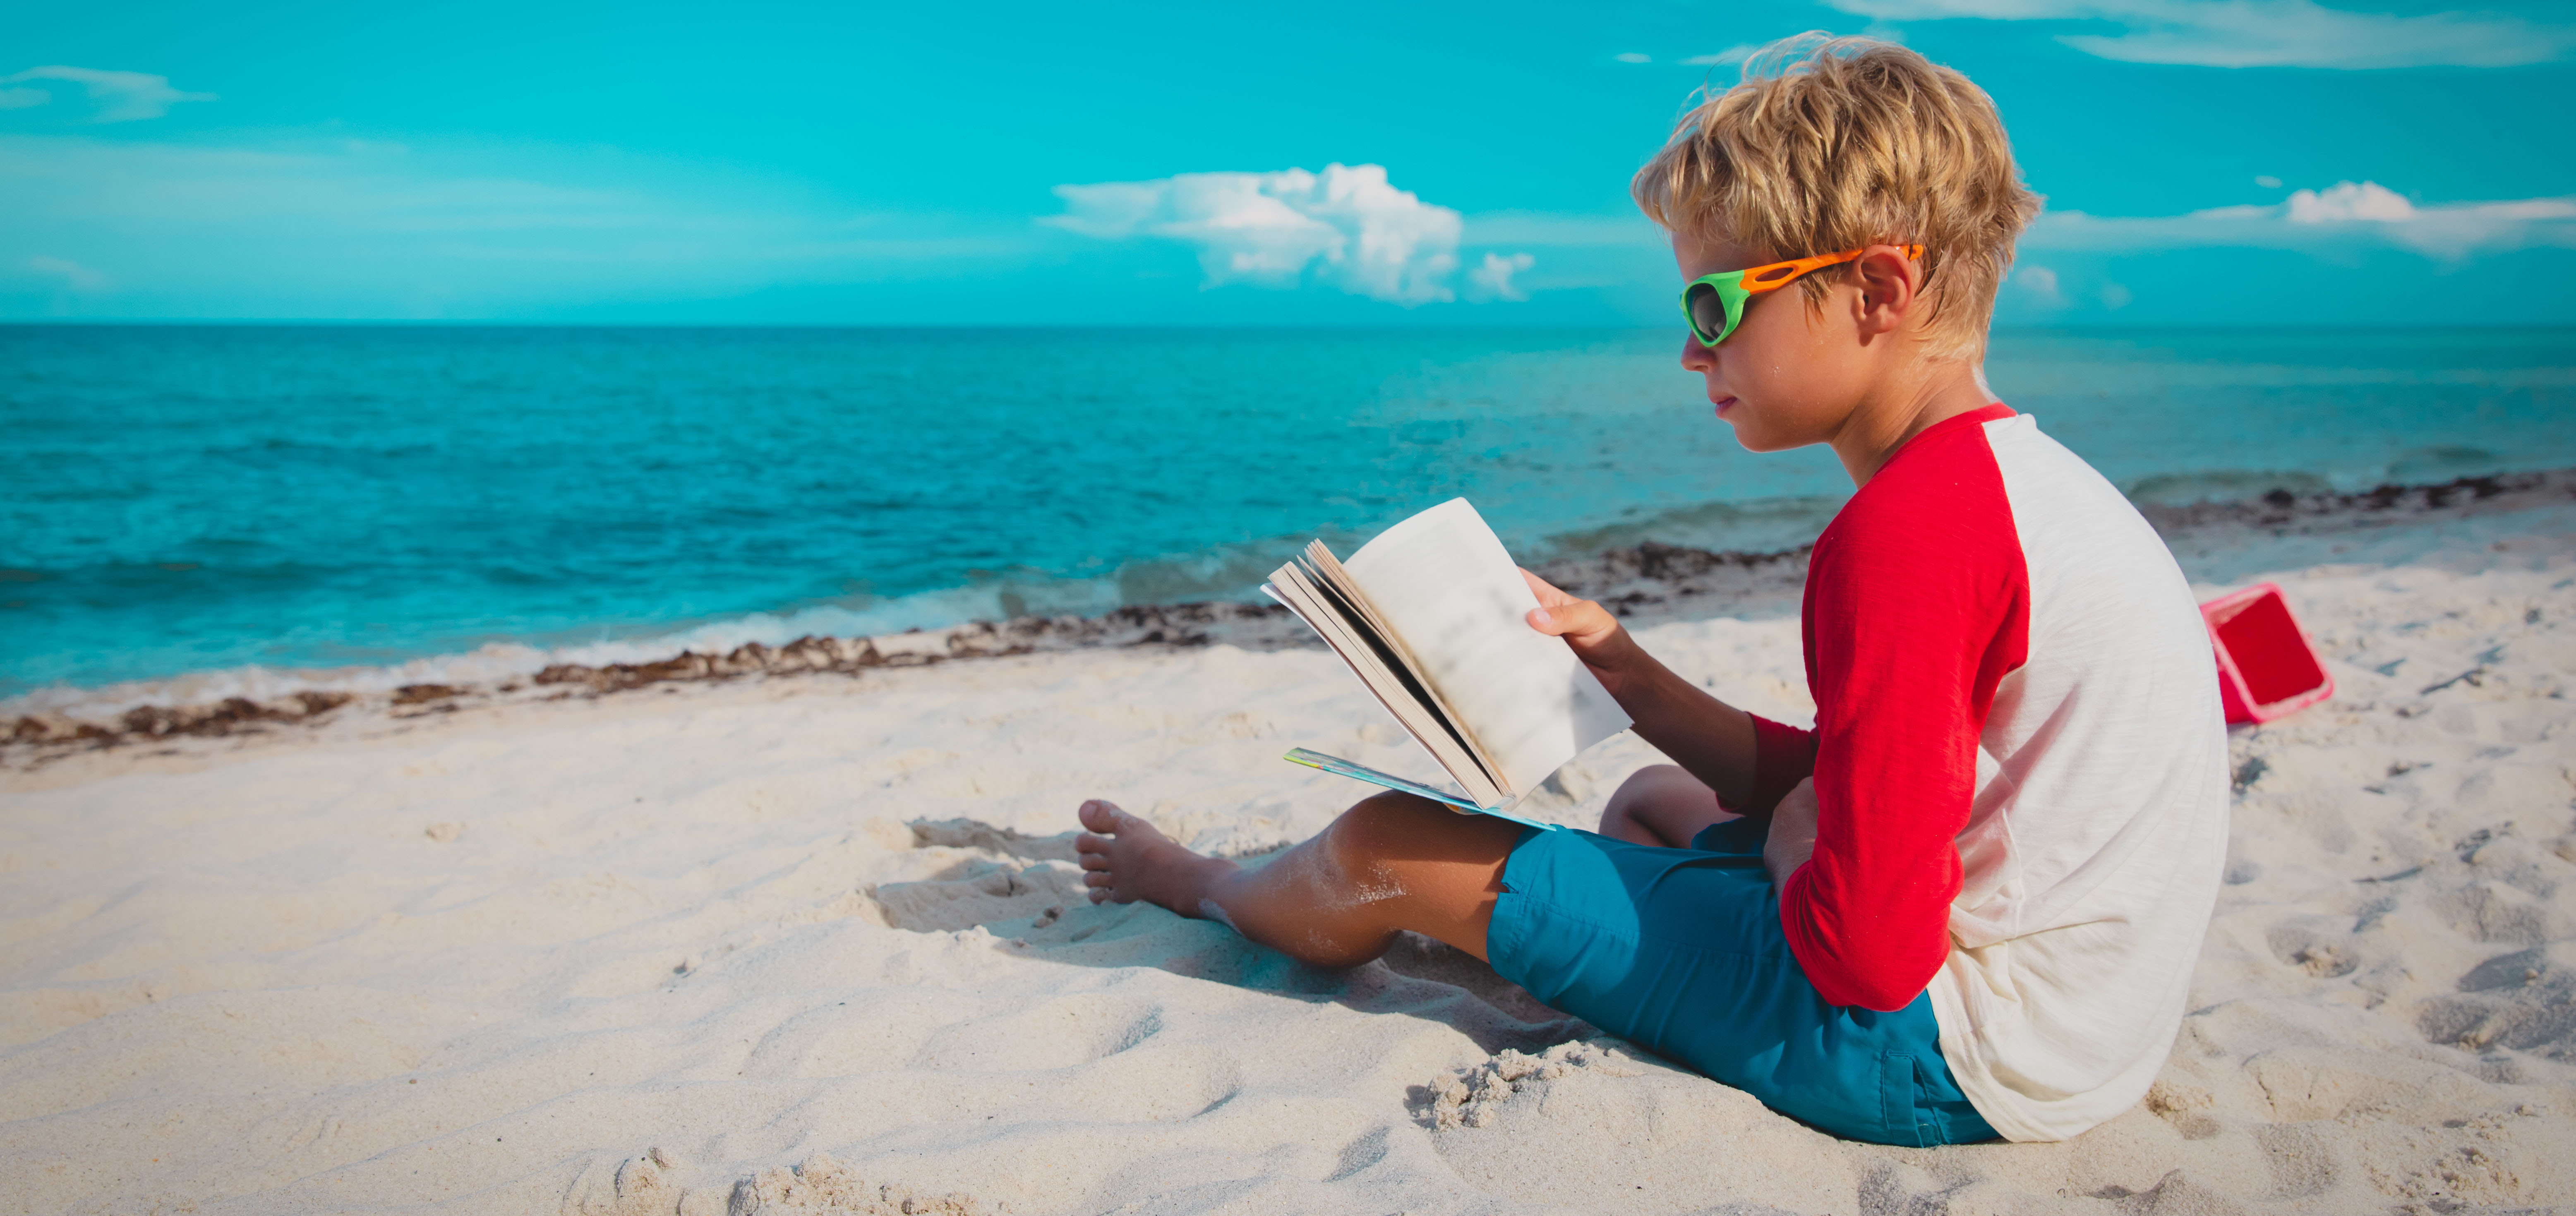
x=1723 y=403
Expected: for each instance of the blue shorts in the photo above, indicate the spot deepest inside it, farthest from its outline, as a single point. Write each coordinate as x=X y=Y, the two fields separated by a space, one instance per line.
x=1680 y=951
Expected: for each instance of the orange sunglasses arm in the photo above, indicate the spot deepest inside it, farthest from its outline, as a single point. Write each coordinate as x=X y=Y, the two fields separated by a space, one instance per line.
x=1781 y=274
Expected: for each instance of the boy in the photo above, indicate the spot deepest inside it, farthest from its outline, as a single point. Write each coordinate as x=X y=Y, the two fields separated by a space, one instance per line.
x=1966 y=904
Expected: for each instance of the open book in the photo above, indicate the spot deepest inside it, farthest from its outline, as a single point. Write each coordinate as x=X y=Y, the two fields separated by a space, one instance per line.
x=1432 y=617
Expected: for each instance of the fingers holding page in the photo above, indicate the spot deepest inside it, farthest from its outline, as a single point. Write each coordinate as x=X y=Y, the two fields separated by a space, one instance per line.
x=1547 y=593
x=1581 y=623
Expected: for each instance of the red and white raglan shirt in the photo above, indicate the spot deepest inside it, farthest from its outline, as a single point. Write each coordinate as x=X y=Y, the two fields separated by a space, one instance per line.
x=2020 y=767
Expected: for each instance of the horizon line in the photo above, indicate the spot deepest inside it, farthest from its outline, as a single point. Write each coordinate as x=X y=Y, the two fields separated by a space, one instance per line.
x=1236 y=326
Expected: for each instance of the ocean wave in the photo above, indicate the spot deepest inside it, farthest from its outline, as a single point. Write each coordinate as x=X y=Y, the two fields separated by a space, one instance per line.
x=496 y=662
x=2411 y=467
x=2219 y=485
x=1768 y=525
x=1226 y=575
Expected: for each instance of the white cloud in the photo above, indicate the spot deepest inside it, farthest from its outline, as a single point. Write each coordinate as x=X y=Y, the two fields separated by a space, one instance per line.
x=2039 y=285
x=79 y=278
x=1493 y=279
x=20 y=99
x=122 y=96
x=1633 y=57
x=1358 y=232
x=1730 y=57
x=2342 y=214
x=2267 y=181
x=2261 y=33
x=2344 y=202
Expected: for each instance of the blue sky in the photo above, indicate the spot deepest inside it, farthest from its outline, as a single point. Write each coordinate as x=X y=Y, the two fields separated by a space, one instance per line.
x=2237 y=162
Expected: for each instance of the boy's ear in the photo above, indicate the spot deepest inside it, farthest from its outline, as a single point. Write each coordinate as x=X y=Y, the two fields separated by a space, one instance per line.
x=1890 y=290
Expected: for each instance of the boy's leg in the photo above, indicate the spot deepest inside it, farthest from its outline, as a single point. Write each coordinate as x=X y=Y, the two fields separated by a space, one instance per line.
x=1679 y=951
x=1663 y=806
x=1392 y=862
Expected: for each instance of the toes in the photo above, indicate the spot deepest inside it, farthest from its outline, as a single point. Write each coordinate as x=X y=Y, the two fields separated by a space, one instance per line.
x=1098 y=878
x=1099 y=816
x=1093 y=861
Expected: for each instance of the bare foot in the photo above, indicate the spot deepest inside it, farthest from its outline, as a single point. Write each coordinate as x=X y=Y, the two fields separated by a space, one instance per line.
x=1129 y=860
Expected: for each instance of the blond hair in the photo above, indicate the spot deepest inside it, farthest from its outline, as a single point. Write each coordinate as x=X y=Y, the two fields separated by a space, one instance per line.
x=1830 y=144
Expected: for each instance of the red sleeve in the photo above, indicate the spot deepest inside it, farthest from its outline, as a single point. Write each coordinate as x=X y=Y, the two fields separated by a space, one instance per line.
x=1917 y=605
x=1783 y=756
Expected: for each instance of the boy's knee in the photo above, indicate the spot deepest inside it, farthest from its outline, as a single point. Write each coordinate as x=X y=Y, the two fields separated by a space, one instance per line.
x=1394 y=832
x=1642 y=786
x=1661 y=804
x=1379 y=825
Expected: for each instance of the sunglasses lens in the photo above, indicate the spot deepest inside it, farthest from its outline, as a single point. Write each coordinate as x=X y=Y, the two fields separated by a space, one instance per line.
x=1707 y=313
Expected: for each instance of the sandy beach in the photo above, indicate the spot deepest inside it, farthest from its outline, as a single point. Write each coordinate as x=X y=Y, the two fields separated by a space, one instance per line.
x=813 y=942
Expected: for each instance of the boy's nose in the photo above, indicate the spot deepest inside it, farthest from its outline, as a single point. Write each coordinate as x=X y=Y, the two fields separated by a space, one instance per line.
x=1696 y=357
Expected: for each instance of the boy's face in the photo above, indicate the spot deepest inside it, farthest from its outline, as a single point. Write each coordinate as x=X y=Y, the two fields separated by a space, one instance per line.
x=1788 y=376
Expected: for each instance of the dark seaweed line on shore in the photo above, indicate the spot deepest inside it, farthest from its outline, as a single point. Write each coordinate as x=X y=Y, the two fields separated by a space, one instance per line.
x=1643 y=583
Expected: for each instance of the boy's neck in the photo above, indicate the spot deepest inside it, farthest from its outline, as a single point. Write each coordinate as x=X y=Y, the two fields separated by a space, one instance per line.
x=1885 y=420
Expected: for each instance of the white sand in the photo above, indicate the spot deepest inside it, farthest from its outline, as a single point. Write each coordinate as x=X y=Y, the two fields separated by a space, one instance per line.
x=650 y=953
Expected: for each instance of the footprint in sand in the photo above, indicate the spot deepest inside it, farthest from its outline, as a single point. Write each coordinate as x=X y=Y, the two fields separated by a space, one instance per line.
x=1020 y=877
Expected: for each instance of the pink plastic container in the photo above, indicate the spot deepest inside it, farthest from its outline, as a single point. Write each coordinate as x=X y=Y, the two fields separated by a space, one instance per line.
x=2266 y=668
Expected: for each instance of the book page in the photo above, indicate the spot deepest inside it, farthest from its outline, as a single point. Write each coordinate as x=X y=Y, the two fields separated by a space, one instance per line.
x=1349 y=638
x=1444 y=584
x=1331 y=577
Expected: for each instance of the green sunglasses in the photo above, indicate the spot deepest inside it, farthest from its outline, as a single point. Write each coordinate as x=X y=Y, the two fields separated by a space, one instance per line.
x=1714 y=303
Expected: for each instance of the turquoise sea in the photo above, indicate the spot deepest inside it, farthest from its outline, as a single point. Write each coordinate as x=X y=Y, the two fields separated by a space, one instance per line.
x=191 y=499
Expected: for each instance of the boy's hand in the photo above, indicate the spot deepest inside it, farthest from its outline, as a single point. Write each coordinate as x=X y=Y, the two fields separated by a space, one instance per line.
x=1793 y=833
x=1596 y=636
x=1710 y=739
